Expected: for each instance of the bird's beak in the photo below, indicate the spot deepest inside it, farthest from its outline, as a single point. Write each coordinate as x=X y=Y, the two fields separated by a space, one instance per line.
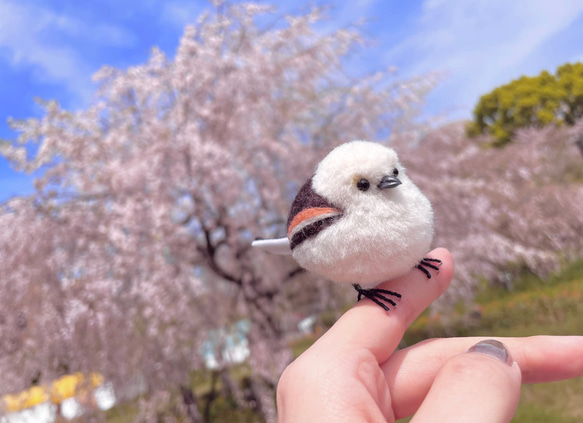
x=389 y=182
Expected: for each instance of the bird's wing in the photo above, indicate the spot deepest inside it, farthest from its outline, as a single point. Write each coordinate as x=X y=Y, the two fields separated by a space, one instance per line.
x=310 y=213
x=274 y=246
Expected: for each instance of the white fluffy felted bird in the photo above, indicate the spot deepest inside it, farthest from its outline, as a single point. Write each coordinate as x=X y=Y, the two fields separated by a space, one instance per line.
x=360 y=220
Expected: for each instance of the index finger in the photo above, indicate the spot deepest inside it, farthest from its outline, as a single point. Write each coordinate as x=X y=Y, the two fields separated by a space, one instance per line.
x=411 y=371
x=368 y=326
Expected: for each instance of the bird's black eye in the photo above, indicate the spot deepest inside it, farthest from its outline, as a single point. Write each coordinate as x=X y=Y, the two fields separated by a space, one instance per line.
x=395 y=172
x=363 y=184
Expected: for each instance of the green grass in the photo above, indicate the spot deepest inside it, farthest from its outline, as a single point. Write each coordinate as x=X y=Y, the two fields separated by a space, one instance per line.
x=122 y=413
x=551 y=402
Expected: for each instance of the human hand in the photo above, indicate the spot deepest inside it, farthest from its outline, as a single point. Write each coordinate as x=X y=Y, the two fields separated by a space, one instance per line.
x=353 y=372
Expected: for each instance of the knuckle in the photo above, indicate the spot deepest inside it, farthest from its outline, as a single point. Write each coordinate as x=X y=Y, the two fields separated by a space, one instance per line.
x=476 y=367
x=295 y=374
x=287 y=378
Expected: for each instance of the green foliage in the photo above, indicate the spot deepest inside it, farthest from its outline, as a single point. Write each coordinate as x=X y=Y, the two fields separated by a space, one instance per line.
x=530 y=102
x=226 y=410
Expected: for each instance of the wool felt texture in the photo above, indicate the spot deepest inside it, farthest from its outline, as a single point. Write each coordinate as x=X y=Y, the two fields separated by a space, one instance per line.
x=359 y=219
x=310 y=213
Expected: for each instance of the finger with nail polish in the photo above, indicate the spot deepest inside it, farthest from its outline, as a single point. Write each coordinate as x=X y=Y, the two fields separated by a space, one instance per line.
x=481 y=385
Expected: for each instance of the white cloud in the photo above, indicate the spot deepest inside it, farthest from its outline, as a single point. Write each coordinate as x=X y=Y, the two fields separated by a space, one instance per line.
x=480 y=43
x=181 y=13
x=100 y=33
x=20 y=36
x=25 y=29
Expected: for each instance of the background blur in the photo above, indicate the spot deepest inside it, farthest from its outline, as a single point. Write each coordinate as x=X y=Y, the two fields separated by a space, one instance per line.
x=143 y=147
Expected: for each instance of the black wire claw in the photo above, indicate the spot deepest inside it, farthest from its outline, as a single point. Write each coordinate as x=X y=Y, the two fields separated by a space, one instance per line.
x=376 y=295
x=428 y=262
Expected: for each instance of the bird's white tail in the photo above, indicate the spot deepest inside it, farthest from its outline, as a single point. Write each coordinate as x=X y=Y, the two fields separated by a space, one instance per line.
x=274 y=246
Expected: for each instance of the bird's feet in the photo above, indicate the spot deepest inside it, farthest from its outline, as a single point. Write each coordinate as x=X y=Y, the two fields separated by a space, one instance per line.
x=377 y=295
x=428 y=262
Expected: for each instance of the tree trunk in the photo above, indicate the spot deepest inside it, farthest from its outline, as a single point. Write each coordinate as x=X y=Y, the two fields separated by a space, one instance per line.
x=211 y=396
x=190 y=403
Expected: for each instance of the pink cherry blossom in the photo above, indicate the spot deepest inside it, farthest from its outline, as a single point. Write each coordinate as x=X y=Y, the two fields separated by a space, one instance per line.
x=136 y=243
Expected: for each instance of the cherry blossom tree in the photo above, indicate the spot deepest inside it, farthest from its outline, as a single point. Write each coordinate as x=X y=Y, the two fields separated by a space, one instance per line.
x=498 y=208
x=136 y=242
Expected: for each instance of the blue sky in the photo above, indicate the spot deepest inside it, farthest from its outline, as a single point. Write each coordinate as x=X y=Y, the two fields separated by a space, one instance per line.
x=50 y=48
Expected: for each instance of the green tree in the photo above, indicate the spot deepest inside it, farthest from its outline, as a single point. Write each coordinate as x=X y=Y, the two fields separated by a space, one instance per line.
x=530 y=102
x=570 y=79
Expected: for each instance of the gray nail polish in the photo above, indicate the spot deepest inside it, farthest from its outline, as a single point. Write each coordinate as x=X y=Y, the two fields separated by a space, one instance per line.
x=492 y=348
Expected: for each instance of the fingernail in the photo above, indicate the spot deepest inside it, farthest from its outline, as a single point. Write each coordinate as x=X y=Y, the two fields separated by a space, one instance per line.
x=494 y=349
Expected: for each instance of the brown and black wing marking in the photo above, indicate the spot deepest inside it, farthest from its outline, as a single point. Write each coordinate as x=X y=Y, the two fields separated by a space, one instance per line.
x=310 y=214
